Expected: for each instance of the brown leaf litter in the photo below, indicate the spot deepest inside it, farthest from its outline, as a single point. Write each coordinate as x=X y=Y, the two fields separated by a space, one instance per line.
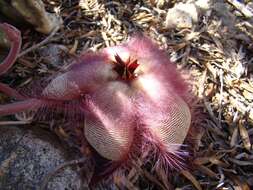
x=216 y=50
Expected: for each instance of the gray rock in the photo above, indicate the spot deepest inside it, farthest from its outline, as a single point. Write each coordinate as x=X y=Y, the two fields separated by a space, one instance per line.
x=185 y=15
x=52 y=54
x=182 y=16
x=28 y=155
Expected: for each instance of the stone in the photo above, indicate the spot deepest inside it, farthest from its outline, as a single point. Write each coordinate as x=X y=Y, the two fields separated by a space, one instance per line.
x=27 y=156
x=185 y=15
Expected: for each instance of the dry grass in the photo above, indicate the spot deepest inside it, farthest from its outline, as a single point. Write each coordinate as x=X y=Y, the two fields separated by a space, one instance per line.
x=216 y=51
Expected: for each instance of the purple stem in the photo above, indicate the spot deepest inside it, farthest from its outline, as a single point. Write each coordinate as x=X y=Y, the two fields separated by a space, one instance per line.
x=16 y=107
x=10 y=92
x=14 y=37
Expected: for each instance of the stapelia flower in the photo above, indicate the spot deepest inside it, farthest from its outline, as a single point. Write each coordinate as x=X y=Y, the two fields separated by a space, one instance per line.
x=135 y=102
x=145 y=112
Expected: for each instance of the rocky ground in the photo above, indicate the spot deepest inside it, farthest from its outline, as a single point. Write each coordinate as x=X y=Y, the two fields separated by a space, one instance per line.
x=212 y=40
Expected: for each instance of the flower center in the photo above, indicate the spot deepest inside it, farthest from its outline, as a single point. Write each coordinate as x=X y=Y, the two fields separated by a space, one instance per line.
x=125 y=69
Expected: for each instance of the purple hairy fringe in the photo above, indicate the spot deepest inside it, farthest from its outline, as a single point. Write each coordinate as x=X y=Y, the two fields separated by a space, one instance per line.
x=150 y=149
x=48 y=110
x=147 y=149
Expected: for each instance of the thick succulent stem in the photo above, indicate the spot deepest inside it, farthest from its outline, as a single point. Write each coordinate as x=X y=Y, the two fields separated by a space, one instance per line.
x=16 y=107
x=14 y=37
x=10 y=92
